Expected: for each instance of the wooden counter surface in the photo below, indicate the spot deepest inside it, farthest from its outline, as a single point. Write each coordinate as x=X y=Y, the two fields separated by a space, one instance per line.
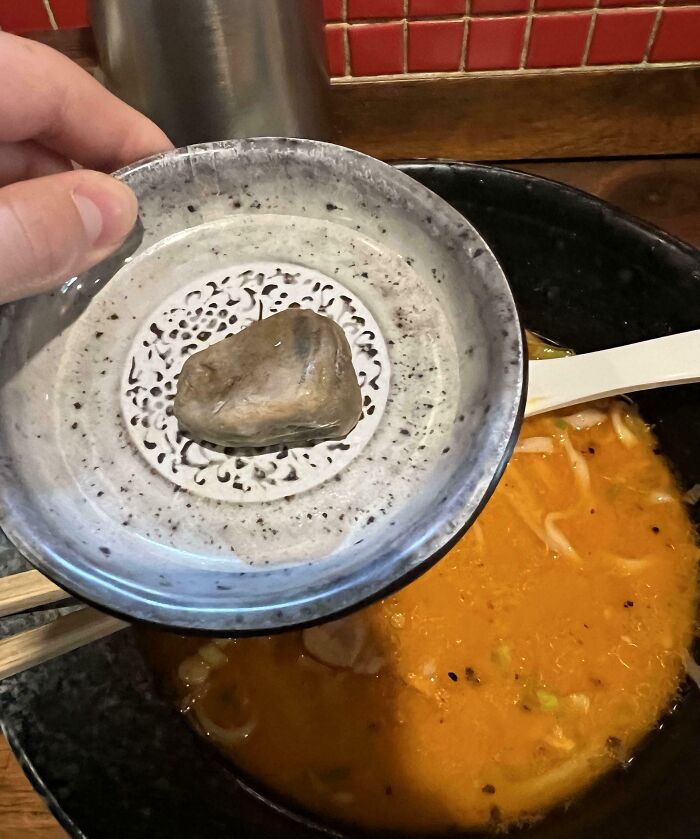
x=665 y=192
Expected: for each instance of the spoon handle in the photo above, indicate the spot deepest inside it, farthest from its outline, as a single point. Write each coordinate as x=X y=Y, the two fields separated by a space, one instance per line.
x=561 y=382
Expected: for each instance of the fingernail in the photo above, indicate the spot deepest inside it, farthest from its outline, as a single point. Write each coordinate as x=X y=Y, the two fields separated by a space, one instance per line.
x=107 y=209
x=91 y=217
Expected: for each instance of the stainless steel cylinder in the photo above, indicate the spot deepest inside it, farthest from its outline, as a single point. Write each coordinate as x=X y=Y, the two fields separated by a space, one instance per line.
x=217 y=69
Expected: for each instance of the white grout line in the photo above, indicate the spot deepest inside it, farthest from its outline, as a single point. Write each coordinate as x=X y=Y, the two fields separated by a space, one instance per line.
x=652 y=35
x=49 y=12
x=465 y=36
x=404 y=23
x=346 y=51
x=404 y=35
x=522 y=71
x=526 y=35
x=589 y=37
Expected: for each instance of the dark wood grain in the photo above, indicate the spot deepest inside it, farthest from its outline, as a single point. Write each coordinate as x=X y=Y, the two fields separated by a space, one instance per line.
x=544 y=115
x=663 y=192
x=23 y=814
x=590 y=113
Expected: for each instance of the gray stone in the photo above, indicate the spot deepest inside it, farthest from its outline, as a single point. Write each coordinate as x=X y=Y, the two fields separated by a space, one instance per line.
x=285 y=379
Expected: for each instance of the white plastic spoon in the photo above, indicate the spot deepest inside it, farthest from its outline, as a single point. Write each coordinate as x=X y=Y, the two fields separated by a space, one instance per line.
x=561 y=382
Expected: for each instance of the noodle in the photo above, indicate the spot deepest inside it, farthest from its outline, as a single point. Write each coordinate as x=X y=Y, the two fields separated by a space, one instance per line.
x=535 y=445
x=579 y=465
x=232 y=735
x=692 y=668
x=624 y=434
x=556 y=541
x=693 y=495
x=586 y=418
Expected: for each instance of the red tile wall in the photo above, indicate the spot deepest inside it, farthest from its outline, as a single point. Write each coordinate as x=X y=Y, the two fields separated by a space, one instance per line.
x=453 y=37
x=495 y=43
x=366 y=38
x=23 y=15
x=558 y=40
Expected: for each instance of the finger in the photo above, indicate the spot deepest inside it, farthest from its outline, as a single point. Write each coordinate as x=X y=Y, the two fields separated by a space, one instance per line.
x=44 y=96
x=55 y=227
x=21 y=161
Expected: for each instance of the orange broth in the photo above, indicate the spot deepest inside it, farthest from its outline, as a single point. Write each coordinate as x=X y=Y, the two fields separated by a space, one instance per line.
x=526 y=663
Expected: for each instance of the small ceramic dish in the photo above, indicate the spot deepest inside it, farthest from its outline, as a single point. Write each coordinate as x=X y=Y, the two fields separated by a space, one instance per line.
x=103 y=492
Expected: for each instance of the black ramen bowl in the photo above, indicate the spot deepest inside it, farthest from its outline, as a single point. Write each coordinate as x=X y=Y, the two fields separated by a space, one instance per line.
x=114 y=761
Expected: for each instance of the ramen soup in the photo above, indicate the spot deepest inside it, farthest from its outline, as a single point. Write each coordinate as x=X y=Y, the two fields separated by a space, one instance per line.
x=522 y=666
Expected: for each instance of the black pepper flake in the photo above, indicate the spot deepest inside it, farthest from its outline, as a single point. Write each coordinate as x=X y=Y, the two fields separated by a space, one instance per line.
x=191 y=208
x=74 y=426
x=654 y=529
x=77 y=406
x=452 y=676
x=489 y=789
x=114 y=316
x=591 y=450
x=105 y=551
x=629 y=604
x=470 y=676
x=99 y=334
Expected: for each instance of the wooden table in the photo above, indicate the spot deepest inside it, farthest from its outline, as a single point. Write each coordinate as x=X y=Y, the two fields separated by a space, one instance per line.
x=665 y=192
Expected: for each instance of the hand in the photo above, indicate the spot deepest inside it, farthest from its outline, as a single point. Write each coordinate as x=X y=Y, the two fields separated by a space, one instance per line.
x=56 y=221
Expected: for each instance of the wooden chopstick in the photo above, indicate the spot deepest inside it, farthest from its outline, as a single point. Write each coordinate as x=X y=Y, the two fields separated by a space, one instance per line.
x=28 y=590
x=68 y=632
x=20 y=592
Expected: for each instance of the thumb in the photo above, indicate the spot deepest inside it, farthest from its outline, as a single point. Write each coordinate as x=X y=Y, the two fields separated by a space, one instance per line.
x=55 y=227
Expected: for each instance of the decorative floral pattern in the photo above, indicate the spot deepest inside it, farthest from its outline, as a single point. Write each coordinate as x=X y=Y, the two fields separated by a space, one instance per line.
x=209 y=311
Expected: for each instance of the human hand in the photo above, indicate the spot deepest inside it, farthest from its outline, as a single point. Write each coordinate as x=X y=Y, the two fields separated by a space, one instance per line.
x=56 y=221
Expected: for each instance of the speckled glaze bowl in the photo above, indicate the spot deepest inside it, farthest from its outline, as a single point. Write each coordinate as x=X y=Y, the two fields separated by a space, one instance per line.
x=103 y=493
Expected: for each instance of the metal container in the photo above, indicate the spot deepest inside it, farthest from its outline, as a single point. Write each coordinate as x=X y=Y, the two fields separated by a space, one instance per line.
x=217 y=69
